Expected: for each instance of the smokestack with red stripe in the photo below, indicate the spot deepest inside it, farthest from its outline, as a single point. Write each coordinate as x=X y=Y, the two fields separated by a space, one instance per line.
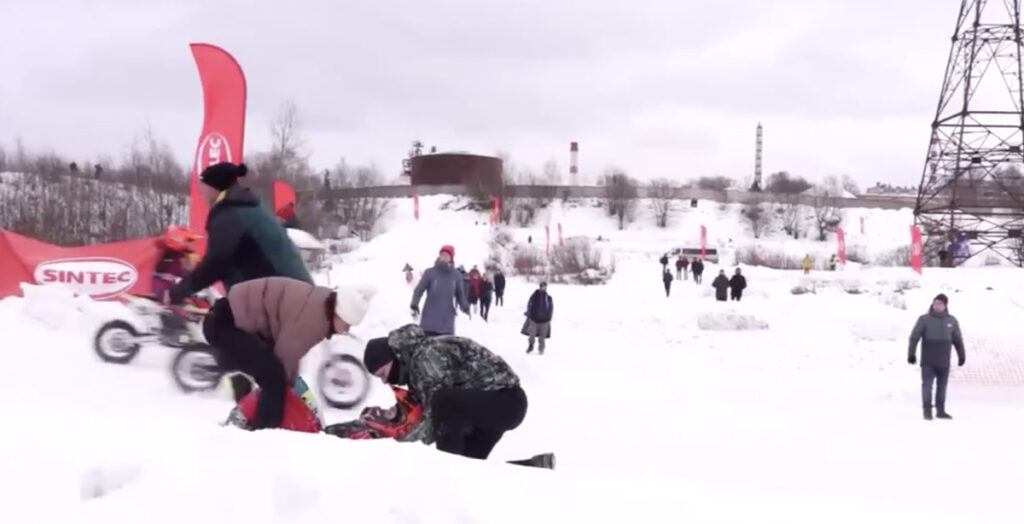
x=574 y=155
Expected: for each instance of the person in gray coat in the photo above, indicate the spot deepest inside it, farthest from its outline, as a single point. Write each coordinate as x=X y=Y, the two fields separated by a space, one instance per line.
x=444 y=288
x=939 y=331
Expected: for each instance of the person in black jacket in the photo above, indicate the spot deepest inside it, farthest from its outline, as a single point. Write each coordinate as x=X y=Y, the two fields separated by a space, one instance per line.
x=940 y=332
x=698 y=270
x=245 y=241
x=666 y=277
x=486 y=292
x=721 y=285
x=737 y=284
x=539 y=311
x=499 y=288
x=664 y=261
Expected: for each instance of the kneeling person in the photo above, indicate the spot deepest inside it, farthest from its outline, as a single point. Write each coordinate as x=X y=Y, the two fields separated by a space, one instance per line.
x=265 y=326
x=470 y=396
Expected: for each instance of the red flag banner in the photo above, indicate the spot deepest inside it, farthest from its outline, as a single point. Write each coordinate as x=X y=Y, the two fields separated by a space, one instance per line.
x=416 y=206
x=284 y=194
x=560 y=242
x=916 y=249
x=223 y=120
x=703 y=242
x=547 y=244
x=496 y=210
x=841 y=240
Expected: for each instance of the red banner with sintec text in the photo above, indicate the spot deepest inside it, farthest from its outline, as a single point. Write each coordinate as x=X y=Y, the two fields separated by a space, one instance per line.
x=916 y=249
x=102 y=271
x=223 y=121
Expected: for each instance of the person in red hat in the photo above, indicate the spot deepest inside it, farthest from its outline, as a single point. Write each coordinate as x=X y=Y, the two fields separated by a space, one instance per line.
x=444 y=288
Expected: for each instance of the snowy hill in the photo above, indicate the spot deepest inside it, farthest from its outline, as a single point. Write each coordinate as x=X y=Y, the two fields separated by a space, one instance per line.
x=660 y=409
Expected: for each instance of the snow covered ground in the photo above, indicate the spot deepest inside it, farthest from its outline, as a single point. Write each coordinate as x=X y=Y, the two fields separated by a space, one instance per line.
x=657 y=409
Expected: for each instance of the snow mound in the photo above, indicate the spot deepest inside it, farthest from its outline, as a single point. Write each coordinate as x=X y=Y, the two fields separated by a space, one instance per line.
x=729 y=321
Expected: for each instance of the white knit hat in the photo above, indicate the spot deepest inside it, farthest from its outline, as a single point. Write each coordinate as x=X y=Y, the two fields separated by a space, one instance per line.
x=353 y=302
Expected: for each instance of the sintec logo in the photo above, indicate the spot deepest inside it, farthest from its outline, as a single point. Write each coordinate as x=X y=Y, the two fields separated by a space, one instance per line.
x=213 y=149
x=98 y=277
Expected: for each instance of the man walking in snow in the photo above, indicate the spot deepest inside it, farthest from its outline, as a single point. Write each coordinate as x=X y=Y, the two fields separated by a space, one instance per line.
x=664 y=261
x=444 y=288
x=737 y=284
x=698 y=270
x=666 y=277
x=539 y=311
x=499 y=288
x=721 y=285
x=680 y=268
x=486 y=293
x=939 y=332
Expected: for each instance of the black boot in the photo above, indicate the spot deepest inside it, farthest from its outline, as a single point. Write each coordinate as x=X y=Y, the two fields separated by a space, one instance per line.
x=928 y=413
x=940 y=412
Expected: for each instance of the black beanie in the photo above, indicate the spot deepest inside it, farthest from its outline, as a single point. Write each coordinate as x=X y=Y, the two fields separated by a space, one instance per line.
x=377 y=354
x=943 y=298
x=223 y=175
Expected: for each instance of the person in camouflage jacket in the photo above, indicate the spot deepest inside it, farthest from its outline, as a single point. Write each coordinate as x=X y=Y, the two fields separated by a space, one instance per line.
x=470 y=396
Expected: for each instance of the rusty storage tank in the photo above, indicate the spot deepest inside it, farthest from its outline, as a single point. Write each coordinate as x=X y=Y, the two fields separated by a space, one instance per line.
x=455 y=169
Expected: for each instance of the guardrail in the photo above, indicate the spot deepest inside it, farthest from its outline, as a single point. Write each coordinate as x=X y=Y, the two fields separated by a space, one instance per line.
x=533 y=191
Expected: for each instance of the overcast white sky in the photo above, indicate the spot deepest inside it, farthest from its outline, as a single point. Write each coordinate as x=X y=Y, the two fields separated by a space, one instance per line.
x=669 y=88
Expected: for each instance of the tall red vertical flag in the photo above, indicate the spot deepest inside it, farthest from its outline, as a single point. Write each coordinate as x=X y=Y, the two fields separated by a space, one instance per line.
x=560 y=242
x=916 y=249
x=495 y=210
x=223 y=120
x=416 y=206
x=841 y=240
x=547 y=243
x=703 y=242
x=284 y=194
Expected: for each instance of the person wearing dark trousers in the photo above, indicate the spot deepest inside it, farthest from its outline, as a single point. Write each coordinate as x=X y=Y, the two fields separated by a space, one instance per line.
x=486 y=293
x=666 y=277
x=470 y=396
x=938 y=332
x=539 y=311
x=737 y=284
x=698 y=270
x=664 y=261
x=680 y=267
x=721 y=285
x=499 y=288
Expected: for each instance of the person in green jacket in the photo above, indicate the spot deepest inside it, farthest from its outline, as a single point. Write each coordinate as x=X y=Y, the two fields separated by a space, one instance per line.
x=938 y=332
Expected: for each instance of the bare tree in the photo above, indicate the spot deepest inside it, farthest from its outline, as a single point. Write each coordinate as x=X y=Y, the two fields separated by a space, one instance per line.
x=620 y=195
x=786 y=184
x=661 y=194
x=552 y=173
x=714 y=183
x=826 y=210
x=3 y=159
x=286 y=159
x=789 y=212
x=757 y=218
x=360 y=212
x=850 y=185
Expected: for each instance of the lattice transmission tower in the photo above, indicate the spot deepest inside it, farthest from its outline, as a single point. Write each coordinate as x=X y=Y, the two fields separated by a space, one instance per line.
x=971 y=197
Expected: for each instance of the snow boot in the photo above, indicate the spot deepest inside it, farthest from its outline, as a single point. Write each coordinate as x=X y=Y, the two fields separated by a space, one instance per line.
x=927 y=413
x=544 y=460
x=529 y=349
x=940 y=412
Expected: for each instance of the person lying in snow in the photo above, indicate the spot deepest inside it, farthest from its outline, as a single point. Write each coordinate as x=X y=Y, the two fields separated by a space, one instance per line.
x=460 y=395
x=264 y=327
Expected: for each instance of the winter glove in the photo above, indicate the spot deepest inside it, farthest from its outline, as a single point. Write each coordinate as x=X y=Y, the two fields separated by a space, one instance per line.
x=415 y=308
x=961 y=361
x=912 y=359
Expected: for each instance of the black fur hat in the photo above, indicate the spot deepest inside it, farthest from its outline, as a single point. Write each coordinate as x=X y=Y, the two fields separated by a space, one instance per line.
x=223 y=175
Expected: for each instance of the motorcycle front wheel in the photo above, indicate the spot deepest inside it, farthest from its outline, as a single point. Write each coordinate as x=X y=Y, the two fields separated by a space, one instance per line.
x=195 y=369
x=343 y=381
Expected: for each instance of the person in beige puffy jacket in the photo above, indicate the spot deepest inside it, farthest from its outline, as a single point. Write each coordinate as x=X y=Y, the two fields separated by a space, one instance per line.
x=265 y=326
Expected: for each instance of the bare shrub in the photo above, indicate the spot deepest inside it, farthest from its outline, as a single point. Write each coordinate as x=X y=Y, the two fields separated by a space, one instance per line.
x=899 y=257
x=770 y=259
x=361 y=212
x=528 y=262
x=826 y=212
x=789 y=213
x=856 y=254
x=661 y=194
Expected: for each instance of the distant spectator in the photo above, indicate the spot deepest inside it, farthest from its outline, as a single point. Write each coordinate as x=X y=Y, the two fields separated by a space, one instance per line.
x=681 y=267
x=499 y=288
x=486 y=294
x=737 y=284
x=721 y=285
x=940 y=332
x=666 y=278
x=698 y=270
x=539 y=312
x=807 y=263
x=664 y=261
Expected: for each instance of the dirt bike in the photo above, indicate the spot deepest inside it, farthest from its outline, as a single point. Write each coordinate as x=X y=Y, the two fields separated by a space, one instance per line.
x=179 y=327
